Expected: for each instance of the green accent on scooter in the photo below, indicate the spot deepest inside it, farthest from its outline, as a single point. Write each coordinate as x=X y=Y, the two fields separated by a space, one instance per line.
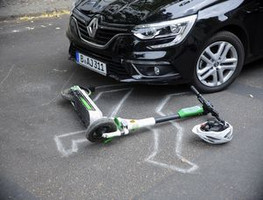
x=85 y=103
x=191 y=111
x=118 y=123
x=108 y=140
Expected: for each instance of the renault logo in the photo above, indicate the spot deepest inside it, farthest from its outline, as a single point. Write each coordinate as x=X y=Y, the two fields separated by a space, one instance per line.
x=93 y=27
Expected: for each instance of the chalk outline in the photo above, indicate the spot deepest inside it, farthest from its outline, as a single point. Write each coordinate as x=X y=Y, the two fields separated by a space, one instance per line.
x=75 y=143
x=150 y=159
x=74 y=146
x=178 y=143
x=8 y=74
x=63 y=86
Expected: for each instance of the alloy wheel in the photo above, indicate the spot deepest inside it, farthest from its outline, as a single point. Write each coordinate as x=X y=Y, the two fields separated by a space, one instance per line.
x=217 y=63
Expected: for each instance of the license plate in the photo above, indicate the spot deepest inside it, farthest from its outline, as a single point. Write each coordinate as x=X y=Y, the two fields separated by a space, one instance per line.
x=91 y=63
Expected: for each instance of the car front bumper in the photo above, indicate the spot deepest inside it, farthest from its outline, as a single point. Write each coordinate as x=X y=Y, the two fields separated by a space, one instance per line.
x=129 y=59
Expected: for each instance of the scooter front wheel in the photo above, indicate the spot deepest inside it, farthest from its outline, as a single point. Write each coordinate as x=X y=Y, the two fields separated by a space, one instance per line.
x=100 y=126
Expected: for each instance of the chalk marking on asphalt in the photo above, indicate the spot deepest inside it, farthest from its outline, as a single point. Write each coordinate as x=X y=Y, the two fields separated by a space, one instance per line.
x=30 y=28
x=111 y=91
x=75 y=143
x=63 y=87
x=21 y=28
x=119 y=106
x=161 y=164
x=95 y=99
x=178 y=143
x=8 y=74
x=74 y=147
x=61 y=71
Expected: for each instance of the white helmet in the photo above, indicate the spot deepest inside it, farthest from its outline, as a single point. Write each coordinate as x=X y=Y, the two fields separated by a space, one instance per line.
x=214 y=132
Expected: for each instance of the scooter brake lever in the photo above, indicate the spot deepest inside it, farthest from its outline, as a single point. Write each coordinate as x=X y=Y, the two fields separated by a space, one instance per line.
x=112 y=134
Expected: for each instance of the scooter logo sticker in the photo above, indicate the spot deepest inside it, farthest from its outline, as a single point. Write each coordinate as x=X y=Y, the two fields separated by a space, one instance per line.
x=85 y=103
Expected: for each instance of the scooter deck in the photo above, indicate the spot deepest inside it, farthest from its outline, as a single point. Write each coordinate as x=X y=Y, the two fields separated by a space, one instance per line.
x=84 y=105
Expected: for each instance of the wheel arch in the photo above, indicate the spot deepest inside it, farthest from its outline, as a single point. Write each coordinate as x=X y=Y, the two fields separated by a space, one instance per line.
x=240 y=33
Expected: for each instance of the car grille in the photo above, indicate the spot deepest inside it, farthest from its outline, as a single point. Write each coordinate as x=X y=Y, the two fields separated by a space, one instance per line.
x=114 y=66
x=104 y=33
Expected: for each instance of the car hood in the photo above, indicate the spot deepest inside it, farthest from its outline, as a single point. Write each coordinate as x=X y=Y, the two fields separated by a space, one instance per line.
x=142 y=11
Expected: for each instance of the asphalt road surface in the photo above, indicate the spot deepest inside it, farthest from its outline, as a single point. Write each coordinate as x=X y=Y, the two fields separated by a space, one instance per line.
x=44 y=153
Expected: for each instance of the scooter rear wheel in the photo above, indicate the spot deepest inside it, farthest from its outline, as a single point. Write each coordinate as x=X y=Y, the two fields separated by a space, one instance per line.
x=97 y=128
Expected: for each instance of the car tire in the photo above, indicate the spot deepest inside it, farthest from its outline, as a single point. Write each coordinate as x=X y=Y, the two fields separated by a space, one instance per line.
x=219 y=62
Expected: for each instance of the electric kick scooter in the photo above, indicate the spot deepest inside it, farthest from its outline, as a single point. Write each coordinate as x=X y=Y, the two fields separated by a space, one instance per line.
x=104 y=129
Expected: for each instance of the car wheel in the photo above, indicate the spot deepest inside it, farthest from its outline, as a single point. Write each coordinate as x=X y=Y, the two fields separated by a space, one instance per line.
x=219 y=63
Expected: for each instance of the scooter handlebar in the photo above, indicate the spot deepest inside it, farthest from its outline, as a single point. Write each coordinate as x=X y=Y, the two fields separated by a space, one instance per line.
x=202 y=100
x=208 y=107
x=195 y=90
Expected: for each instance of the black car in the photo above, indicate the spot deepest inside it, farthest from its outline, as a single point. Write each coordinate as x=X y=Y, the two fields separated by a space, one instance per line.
x=205 y=42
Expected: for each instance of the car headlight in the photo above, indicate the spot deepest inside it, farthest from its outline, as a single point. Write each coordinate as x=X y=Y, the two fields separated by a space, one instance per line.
x=177 y=29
